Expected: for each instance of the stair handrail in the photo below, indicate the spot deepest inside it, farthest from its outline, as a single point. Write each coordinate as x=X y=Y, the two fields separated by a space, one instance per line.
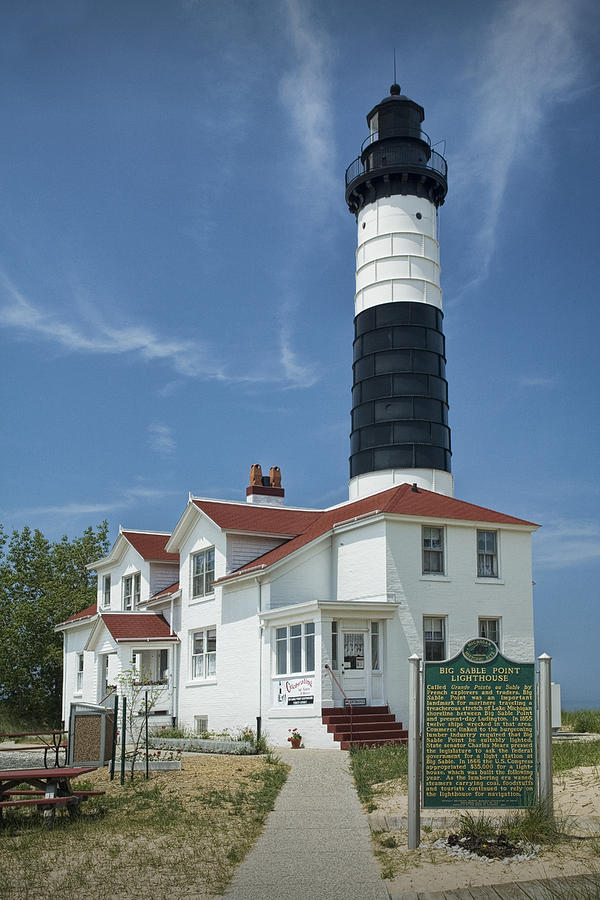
x=347 y=698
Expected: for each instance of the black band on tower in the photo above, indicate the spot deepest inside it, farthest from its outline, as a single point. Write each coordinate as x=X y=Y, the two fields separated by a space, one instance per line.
x=400 y=393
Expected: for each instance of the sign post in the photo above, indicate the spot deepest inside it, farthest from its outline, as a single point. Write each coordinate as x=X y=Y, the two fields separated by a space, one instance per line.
x=414 y=752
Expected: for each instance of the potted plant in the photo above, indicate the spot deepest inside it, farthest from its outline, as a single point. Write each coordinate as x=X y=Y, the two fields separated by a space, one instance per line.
x=295 y=738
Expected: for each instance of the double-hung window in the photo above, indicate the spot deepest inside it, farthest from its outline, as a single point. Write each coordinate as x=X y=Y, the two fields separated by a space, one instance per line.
x=79 y=680
x=487 y=554
x=106 y=591
x=490 y=629
x=203 y=572
x=204 y=654
x=295 y=649
x=132 y=590
x=434 y=637
x=433 y=550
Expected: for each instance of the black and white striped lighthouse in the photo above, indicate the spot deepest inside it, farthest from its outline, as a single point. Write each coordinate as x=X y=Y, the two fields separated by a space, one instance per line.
x=400 y=427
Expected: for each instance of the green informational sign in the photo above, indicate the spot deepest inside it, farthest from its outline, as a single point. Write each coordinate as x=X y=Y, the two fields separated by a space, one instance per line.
x=479 y=730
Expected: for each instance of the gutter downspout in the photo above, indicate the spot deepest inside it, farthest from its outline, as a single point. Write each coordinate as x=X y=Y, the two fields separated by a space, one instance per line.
x=260 y=649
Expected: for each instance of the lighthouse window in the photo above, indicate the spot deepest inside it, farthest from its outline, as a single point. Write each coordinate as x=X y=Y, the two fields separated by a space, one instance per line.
x=411 y=384
x=419 y=216
x=393 y=409
x=487 y=555
x=434 y=637
x=381 y=386
x=424 y=361
x=433 y=550
x=377 y=340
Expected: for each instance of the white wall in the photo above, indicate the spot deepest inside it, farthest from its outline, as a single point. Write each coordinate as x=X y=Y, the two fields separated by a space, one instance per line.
x=306 y=577
x=359 y=562
x=459 y=596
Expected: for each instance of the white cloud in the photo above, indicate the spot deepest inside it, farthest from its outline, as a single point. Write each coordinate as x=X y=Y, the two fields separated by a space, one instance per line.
x=161 y=439
x=565 y=542
x=305 y=92
x=92 y=335
x=74 y=509
x=529 y=62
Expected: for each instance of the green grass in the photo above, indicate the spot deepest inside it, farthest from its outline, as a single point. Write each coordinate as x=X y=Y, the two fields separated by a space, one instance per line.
x=377 y=764
x=569 y=754
x=582 y=720
x=535 y=825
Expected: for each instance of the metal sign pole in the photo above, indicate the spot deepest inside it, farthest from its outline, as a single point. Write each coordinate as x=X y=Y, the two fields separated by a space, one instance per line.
x=123 y=740
x=545 y=731
x=114 y=738
x=147 y=775
x=414 y=746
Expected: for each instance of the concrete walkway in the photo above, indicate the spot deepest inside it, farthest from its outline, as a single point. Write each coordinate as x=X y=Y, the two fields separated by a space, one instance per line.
x=316 y=843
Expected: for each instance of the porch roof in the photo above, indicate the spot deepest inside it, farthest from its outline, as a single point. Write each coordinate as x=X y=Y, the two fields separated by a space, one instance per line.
x=130 y=626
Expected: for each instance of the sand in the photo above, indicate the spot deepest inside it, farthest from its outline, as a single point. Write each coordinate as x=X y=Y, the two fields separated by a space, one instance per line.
x=576 y=804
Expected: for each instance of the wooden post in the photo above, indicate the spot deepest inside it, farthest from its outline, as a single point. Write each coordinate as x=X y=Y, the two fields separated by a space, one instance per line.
x=414 y=748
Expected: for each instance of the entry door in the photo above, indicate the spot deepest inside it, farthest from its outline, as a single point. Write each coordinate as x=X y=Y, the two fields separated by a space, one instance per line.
x=354 y=664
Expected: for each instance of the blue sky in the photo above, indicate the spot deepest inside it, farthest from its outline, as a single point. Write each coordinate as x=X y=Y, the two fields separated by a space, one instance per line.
x=177 y=261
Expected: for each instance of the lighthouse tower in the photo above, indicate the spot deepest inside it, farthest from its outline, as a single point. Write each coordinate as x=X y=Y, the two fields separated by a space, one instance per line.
x=400 y=427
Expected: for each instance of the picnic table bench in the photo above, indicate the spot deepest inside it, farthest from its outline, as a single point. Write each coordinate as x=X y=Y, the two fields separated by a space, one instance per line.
x=48 y=788
x=52 y=742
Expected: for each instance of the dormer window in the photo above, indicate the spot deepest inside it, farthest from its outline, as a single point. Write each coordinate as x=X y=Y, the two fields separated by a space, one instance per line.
x=131 y=590
x=203 y=572
x=106 y=591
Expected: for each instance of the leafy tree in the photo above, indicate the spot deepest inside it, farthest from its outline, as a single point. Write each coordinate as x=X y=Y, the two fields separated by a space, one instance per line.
x=41 y=584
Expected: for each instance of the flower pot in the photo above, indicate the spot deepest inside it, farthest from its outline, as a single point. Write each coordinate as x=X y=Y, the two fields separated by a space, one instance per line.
x=295 y=742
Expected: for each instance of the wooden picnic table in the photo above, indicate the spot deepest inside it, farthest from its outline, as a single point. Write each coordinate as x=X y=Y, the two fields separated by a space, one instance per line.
x=52 y=742
x=48 y=788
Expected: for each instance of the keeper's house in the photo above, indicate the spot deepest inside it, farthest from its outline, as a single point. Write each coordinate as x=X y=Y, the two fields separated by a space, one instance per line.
x=254 y=609
x=238 y=611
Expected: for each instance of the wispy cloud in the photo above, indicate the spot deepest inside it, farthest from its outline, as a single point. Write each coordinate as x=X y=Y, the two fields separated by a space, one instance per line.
x=161 y=439
x=124 y=499
x=541 y=381
x=297 y=374
x=305 y=92
x=90 y=334
x=530 y=60
x=564 y=542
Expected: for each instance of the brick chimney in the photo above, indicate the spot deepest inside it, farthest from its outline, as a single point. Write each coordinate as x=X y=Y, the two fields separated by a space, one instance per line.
x=265 y=489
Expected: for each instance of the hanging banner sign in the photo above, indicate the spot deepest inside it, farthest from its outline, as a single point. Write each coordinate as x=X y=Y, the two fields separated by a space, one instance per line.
x=479 y=730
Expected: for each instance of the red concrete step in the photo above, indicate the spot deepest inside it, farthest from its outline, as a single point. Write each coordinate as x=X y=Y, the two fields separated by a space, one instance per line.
x=356 y=711
x=342 y=720
x=375 y=735
x=345 y=745
x=357 y=727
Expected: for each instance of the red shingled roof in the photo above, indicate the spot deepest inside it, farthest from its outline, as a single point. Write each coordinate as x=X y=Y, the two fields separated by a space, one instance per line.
x=138 y=627
x=259 y=519
x=88 y=611
x=401 y=500
x=166 y=591
x=151 y=546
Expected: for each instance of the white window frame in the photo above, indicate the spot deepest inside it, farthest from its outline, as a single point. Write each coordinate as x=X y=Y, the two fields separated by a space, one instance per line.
x=482 y=628
x=106 y=586
x=199 y=580
x=303 y=638
x=482 y=554
x=79 y=674
x=429 y=620
x=203 y=664
x=440 y=554
x=131 y=598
